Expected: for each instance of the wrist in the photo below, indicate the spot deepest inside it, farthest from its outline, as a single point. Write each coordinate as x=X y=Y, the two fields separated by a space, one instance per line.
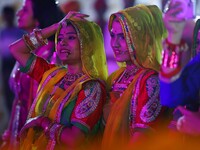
x=174 y=38
x=172 y=54
x=35 y=39
x=56 y=25
x=49 y=31
x=54 y=28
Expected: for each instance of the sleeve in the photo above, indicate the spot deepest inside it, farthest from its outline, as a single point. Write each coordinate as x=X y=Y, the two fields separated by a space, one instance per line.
x=184 y=90
x=148 y=103
x=36 y=67
x=89 y=106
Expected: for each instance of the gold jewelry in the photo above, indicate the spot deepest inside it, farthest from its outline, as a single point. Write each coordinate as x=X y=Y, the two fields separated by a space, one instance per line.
x=28 y=42
x=73 y=77
x=69 y=79
x=34 y=40
x=125 y=79
x=40 y=39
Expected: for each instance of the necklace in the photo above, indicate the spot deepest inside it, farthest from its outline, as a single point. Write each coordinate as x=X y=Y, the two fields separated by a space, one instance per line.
x=69 y=79
x=72 y=77
x=125 y=79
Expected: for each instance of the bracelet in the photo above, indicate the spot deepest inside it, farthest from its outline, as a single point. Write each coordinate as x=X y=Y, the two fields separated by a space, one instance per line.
x=172 y=54
x=28 y=42
x=40 y=39
x=171 y=74
x=34 y=40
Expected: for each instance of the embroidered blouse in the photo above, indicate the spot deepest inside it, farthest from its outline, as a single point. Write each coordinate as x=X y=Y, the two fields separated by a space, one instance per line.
x=85 y=110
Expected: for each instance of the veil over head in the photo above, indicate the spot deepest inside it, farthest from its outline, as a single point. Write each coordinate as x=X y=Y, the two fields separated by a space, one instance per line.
x=92 y=47
x=144 y=30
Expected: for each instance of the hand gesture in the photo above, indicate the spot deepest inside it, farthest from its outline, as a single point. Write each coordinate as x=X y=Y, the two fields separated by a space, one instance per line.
x=76 y=15
x=172 y=22
x=190 y=121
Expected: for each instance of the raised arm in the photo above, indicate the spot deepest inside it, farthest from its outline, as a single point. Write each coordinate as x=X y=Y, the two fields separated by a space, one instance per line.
x=21 y=49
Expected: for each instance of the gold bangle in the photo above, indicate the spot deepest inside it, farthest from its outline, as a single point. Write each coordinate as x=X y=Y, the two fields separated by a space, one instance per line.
x=38 y=35
x=34 y=40
x=28 y=42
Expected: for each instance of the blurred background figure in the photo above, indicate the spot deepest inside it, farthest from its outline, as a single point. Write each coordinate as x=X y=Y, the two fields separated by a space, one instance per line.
x=179 y=80
x=100 y=7
x=68 y=5
x=3 y=109
x=32 y=15
x=8 y=34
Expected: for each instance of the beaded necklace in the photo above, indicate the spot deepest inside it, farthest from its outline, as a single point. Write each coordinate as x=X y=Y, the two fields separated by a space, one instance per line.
x=125 y=79
x=69 y=79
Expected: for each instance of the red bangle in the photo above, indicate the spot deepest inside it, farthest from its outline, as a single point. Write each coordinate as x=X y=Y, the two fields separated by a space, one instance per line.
x=171 y=74
x=172 y=54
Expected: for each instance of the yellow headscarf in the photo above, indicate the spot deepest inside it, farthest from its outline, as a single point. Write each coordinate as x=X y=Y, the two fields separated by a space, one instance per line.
x=144 y=30
x=92 y=48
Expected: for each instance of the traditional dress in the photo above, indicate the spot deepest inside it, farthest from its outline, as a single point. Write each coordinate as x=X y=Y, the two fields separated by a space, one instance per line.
x=134 y=92
x=69 y=100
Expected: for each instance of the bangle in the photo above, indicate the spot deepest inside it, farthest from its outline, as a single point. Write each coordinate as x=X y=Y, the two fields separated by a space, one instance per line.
x=34 y=40
x=28 y=42
x=40 y=39
x=171 y=74
x=172 y=54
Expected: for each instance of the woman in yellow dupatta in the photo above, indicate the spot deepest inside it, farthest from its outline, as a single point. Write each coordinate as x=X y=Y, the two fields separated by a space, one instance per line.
x=70 y=98
x=134 y=107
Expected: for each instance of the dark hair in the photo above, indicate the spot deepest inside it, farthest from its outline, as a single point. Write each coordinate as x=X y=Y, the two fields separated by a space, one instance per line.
x=8 y=14
x=8 y=10
x=46 y=12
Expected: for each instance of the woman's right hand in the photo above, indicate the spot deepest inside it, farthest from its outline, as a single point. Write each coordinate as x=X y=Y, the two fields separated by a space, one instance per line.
x=172 y=22
x=76 y=15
